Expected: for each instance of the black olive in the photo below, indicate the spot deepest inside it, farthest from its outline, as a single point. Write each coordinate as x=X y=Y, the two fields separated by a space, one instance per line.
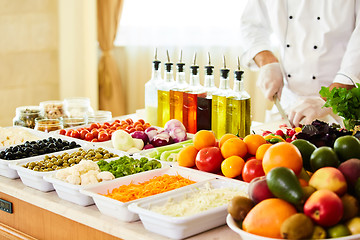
x=35 y=151
x=9 y=155
x=59 y=140
x=16 y=148
x=33 y=142
x=73 y=144
x=41 y=151
x=66 y=148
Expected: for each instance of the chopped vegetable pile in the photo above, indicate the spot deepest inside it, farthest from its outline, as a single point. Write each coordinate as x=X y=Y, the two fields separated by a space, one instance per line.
x=127 y=165
x=198 y=201
x=156 y=185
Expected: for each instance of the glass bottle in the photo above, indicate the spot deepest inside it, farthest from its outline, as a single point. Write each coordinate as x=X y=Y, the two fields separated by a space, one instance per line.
x=26 y=115
x=164 y=94
x=219 y=105
x=177 y=93
x=151 y=93
x=191 y=95
x=204 y=103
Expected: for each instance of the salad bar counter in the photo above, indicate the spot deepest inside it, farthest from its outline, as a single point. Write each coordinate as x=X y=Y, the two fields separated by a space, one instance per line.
x=44 y=215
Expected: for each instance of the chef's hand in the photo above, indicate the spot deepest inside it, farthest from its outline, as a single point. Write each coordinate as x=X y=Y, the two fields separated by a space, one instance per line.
x=307 y=110
x=270 y=80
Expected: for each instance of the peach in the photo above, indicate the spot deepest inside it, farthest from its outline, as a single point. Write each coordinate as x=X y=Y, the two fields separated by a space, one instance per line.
x=329 y=178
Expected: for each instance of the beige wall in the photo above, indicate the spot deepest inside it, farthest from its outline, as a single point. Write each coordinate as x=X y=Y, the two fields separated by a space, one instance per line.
x=29 y=70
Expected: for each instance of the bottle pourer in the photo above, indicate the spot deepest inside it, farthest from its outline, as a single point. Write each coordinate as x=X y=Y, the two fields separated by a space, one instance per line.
x=224 y=72
x=169 y=64
x=209 y=68
x=238 y=73
x=194 y=67
x=180 y=65
x=156 y=62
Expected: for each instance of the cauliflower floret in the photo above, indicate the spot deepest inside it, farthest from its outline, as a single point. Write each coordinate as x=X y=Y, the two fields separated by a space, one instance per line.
x=62 y=174
x=73 y=179
x=89 y=178
x=105 y=176
x=87 y=165
x=75 y=170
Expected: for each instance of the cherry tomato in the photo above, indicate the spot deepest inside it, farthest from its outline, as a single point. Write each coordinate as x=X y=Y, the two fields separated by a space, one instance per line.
x=103 y=136
x=132 y=130
x=129 y=120
x=146 y=125
x=139 y=128
x=93 y=125
x=68 y=133
x=75 y=134
x=137 y=123
x=95 y=132
x=142 y=121
x=89 y=136
x=117 y=121
x=83 y=133
x=62 y=132
x=106 y=124
x=94 y=140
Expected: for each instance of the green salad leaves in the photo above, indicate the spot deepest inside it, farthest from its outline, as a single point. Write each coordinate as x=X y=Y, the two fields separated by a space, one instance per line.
x=127 y=165
x=345 y=103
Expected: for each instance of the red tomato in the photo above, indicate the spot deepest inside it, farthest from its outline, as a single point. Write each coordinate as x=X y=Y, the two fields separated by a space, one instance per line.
x=142 y=121
x=83 y=133
x=106 y=124
x=93 y=125
x=94 y=140
x=75 y=134
x=62 y=132
x=68 y=133
x=129 y=121
x=209 y=159
x=95 y=132
x=89 y=136
x=253 y=168
x=103 y=136
x=117 y=121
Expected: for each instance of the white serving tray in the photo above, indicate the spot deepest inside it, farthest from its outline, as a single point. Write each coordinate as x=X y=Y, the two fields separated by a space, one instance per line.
x=8 y=172
x=183 y=227
x=71 y=192
x=119 y=210
x=248 y=236
x=36 y=179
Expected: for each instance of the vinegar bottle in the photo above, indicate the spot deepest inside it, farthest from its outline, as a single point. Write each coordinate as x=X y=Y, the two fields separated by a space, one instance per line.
x=151 y=98
x=177 y=93
x=204 y=103
x=219 y=105
x=164 y=94
x=190 y=99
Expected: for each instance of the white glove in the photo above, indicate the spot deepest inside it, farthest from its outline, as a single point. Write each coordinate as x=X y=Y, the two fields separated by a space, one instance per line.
x=307 y=110
x=270 y=80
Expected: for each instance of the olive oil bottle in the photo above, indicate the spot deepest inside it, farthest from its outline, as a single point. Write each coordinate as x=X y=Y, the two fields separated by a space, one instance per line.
x=151 y=92
x=191 y=95
x=164 y=94
x=238 y=118
x=177 y=93
x=219 y=104
x=204 y=103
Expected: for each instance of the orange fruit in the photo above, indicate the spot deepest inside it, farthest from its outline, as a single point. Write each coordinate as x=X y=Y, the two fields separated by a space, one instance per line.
x=260 y=152
x=226 y=137
x=283 y=154
x=232 y=166
x=203 y=139
x=186 y=157
x=266 y=218
x=233 y=147
x=253 y=141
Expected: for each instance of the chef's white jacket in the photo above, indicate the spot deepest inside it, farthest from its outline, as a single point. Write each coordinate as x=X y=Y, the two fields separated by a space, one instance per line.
x=317 y=41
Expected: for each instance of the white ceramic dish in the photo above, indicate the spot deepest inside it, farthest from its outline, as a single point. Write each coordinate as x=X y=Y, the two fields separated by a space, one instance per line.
x=71 y=192
x=248 y=236
x=8 y=172
x=36 y=179
x=183 y=227
x=119 y=210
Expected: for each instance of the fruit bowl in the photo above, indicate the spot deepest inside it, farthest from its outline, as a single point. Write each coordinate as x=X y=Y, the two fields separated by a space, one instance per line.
x=248 y=236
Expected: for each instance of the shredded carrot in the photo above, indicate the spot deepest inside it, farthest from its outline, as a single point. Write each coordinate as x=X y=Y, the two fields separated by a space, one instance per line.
x=156 y=185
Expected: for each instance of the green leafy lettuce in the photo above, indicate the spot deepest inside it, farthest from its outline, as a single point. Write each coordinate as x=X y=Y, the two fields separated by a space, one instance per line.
x=345 y=103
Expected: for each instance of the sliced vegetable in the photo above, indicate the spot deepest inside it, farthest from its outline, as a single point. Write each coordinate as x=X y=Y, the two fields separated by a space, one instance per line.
x=157 y=151
x=140 y=135
x=122 y=140
x=151 y=132
x=178 y=134
x=172 y=124
x=161 y=139
x=165 y=156
x=138 y=143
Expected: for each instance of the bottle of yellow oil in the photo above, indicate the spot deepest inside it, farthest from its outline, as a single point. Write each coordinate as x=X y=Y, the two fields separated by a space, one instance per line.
x=219 y=104
x=177 y=93
x=191 y=95
x=164 y=94
x=151 y=92
x=238 y=118
x=204 y=103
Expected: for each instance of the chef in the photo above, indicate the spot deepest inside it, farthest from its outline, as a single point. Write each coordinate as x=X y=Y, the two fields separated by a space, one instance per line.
x=300 y=46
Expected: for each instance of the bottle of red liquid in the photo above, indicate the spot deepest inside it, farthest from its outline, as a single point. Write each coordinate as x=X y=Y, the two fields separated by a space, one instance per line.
x=190 y=98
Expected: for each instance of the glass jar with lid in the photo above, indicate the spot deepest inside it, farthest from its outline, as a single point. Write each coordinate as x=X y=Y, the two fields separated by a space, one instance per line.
x=26 y=115
x=52 y=109
x=100 y=116
x=77 y=107
x=48 y=125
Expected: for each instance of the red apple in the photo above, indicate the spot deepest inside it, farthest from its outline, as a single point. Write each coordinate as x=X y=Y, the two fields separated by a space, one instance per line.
x=351 y=170
x=209 y=159
x=252 y=169
x=259 y=190
x=324 y=207
x=329 y=178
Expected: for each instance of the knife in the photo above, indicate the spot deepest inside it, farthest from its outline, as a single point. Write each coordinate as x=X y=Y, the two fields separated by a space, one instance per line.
x=281 y=110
